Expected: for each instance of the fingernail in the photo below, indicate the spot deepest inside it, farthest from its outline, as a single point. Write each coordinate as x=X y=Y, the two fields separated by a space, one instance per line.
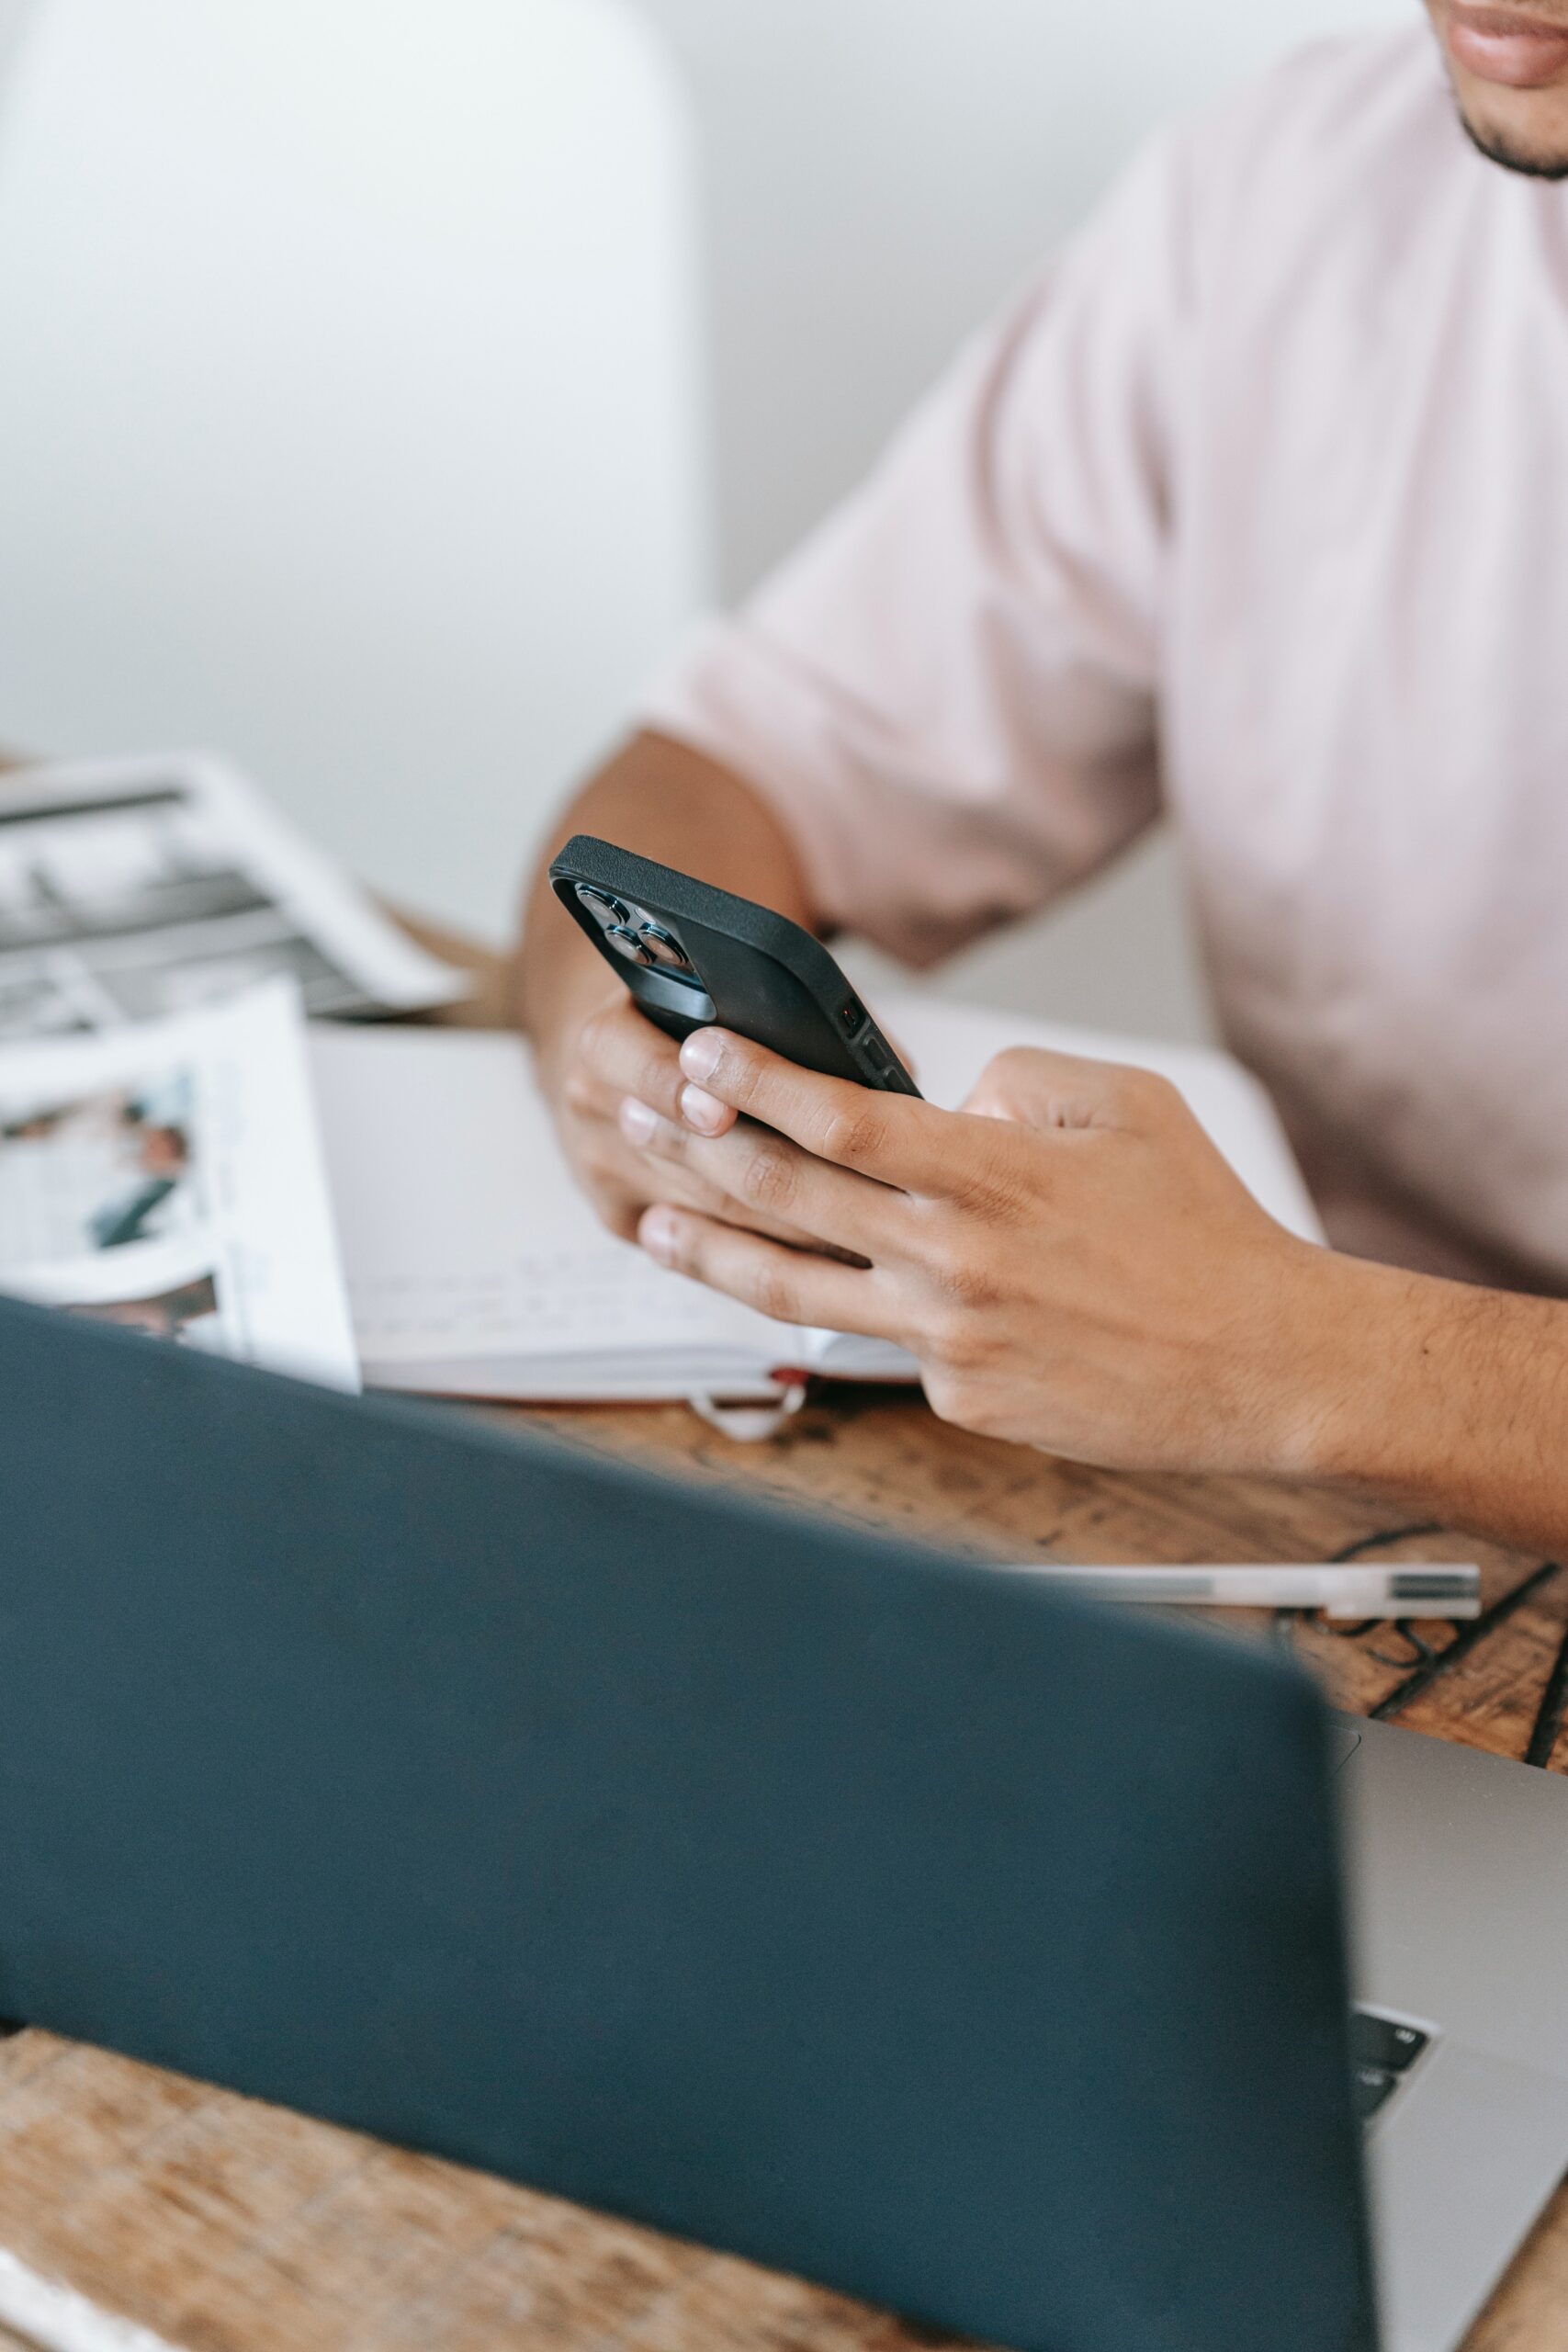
x=657 y=1234
x=700 y=1054
x=704 y=1112
x=639 y=1124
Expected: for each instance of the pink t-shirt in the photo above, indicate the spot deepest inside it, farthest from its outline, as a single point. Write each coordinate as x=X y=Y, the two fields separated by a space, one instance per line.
x=1254 y=510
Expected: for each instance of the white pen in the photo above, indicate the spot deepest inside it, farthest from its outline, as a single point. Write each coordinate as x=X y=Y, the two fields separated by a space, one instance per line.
x=1353 y=1590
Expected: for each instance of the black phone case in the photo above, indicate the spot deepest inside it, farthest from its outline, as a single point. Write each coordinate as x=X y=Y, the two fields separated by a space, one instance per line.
x=712 y=958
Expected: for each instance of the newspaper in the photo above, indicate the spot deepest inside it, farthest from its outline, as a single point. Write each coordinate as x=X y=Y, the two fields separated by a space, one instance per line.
x=169 y=1178
x=147 y=887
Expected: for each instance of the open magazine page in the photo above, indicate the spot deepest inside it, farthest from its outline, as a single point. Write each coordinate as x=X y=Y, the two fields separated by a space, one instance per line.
x=169 y=1178
x=142 y=887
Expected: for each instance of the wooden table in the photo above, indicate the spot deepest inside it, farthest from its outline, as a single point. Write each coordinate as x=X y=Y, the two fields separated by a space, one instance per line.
x=228 y=2226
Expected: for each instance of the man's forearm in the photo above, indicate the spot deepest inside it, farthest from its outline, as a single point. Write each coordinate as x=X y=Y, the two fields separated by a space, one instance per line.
x=662 y=801
x=1451 y=1398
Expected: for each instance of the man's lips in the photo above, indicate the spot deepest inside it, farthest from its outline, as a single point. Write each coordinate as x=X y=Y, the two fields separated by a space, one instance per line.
x=1503 y=45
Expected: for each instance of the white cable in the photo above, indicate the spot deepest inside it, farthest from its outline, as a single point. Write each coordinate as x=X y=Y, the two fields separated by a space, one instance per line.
x=750 y=1424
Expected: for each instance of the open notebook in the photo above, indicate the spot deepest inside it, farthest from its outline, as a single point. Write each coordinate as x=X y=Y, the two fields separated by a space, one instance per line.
x=475 y=1267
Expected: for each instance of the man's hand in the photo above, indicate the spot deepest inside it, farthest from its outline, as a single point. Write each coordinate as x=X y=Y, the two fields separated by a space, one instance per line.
x=1073 y=1266
x=1071 y=1261
x=612 y=1080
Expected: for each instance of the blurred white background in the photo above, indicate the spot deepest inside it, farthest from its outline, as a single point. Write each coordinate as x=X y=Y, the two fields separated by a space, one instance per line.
x=875 y=176
x=354 y=419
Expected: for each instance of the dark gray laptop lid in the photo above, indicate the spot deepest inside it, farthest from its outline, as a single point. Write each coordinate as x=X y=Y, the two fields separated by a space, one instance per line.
x=882 y=1917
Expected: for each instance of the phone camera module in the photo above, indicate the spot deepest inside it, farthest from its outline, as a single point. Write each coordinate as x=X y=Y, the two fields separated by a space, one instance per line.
x=663 y=948
x=637 y=935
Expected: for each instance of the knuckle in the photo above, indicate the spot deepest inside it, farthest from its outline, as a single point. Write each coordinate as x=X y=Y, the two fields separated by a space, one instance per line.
x=988 y=1188
x=1144 y=1094
x=967 y=1284
x=969 y=1402
x=769 y=1179
x=737 y=1070
x=854 y=1132
x=772 y=1295
x=1163 y=1098
x=579 y=1093
x=951 y=1399
x=1012 y=1068
x=957 y=1338
x=1014 y=1084
x=665 y=1141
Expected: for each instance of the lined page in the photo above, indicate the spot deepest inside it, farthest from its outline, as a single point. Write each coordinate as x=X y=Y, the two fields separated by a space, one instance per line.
x=463 y=1233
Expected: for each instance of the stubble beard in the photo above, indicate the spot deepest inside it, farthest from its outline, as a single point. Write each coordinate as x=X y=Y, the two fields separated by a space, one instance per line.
x=1498 y=148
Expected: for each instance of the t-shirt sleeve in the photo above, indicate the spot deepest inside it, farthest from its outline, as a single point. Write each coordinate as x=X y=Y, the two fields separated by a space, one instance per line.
x=947 y=694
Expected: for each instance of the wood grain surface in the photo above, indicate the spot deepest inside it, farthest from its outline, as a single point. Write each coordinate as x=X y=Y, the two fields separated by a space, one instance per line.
x=225 y=2225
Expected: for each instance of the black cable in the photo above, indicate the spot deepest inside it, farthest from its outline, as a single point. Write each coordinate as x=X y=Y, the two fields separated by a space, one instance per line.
x=1421 y=1650
x=1554 y=1706
x=1462 y=1643
x=1384 y=1542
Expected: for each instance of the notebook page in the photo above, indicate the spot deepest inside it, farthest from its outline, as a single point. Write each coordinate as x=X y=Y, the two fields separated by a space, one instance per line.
x=464 y=1237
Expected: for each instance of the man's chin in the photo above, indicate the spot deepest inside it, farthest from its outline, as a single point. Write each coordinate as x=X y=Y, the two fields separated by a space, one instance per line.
x=1539 y=158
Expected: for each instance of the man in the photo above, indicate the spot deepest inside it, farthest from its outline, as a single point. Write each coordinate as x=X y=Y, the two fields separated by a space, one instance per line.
x=1255 y=509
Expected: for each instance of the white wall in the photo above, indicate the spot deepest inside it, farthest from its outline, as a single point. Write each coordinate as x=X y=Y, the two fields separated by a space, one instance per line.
x=11 y=14
x=879 y=174
x=352 y=416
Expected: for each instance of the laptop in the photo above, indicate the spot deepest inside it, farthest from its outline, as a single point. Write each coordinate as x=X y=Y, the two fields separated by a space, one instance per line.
x=914 y=1928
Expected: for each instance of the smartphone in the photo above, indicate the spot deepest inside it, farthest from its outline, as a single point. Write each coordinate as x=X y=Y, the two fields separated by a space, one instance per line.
x=696 y=957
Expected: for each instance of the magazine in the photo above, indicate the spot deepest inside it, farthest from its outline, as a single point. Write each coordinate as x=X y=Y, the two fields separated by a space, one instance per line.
x=169 y=1178
x=141 y=888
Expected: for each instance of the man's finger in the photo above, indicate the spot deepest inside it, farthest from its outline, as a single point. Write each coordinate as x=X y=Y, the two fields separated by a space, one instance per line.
x=789 y=1285
x=621 y=1193
x=775 y=1185
x=893 y=1137
x=664 y=1169
x=620 y=1053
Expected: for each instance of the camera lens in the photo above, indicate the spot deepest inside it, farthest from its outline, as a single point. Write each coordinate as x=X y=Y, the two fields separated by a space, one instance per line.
x=602 y=905
x=664 y=948
x=627 y=943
